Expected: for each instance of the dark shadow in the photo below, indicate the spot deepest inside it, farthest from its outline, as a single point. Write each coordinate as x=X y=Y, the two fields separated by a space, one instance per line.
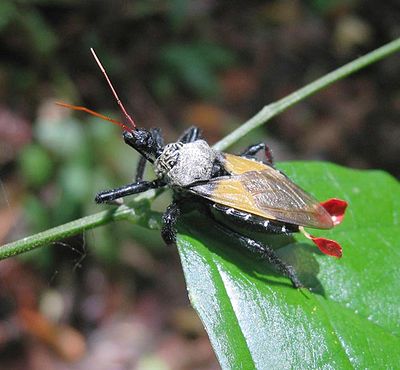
x=299 y=255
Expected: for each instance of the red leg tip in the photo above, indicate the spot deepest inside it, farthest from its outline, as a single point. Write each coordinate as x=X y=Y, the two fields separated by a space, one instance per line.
x=327 y=246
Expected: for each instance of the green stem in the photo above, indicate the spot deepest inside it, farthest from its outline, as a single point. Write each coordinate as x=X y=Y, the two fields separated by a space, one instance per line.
x=269 y=111
x=137 y=213
x=64 y=231
x=273 y=109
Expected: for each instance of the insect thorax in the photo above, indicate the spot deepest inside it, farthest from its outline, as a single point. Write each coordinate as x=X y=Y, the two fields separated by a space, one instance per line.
x=182 y=164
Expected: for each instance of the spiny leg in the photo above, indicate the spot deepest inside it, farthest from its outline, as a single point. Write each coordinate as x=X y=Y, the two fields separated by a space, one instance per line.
x=169 y=219
x=264 y=251
x=252 y=150
x=134 y=188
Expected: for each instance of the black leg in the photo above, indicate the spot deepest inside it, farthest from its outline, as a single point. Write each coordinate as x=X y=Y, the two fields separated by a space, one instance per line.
x=265 y=252
x=190 y=135
x=252 y=150
x=136 y=187
x=140 y=169
x=169 y=219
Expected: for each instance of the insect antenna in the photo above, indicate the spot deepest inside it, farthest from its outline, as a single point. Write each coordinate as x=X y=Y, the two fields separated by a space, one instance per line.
x=128 y=117
x=93 y=113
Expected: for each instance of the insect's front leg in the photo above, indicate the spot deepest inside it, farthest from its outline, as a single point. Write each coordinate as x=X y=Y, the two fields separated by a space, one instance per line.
x=134 y=188
x=169 y=219
x=140 y=169
x=252 y=150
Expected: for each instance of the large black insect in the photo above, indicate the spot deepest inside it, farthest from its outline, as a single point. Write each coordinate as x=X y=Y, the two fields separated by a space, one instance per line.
x=245 y=189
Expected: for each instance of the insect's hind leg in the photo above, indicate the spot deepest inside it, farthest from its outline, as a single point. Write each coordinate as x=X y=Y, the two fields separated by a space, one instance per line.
x=252 y=150
x=263 y=250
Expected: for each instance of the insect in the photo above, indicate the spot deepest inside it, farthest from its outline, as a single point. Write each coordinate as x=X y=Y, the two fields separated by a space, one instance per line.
x=247 y=190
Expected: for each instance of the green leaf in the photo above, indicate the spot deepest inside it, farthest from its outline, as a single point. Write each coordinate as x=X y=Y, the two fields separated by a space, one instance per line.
x=349 y=319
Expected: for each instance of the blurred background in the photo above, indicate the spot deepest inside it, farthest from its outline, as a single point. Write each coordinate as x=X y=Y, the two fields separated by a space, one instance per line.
x=115 y=298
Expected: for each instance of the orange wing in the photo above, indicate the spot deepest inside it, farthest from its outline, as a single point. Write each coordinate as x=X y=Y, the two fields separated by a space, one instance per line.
x=261 y=190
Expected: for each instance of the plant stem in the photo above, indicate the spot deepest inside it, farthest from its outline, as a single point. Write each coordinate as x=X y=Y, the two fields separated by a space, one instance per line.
x=63 y=231
x=123 y=212
x=269 y=111
x=273 y=109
